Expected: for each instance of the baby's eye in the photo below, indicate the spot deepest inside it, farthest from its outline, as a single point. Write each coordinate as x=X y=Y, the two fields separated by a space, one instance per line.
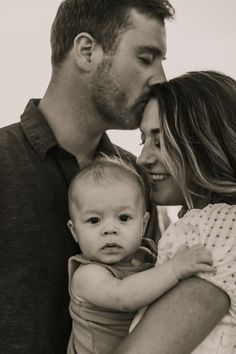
x=93 y=220
x=124 y=218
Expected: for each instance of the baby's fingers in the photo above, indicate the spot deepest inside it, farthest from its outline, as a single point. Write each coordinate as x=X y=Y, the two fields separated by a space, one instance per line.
x=205 y=268
x=202 y=256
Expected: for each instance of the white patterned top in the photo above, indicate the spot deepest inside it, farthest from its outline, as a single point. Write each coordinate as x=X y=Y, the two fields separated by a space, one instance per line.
x=214 y=227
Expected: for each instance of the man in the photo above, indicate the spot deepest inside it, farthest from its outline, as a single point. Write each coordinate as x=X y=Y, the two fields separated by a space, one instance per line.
x=105 y=56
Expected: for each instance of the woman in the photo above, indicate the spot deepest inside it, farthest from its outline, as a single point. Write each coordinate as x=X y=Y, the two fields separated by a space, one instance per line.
x=189 y=136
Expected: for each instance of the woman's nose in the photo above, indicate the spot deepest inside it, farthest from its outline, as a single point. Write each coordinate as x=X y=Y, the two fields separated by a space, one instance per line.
x=147 y=156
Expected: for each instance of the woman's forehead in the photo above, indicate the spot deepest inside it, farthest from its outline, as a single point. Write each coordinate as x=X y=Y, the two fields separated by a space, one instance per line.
x=151 y=118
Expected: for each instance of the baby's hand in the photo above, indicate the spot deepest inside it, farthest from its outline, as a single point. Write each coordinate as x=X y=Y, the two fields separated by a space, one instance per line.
x=188 y=261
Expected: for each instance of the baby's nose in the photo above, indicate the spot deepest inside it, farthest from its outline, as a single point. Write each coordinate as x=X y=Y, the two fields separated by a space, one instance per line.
x=110 y=231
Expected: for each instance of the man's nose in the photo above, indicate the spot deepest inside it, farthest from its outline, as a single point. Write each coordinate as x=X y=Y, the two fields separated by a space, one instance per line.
x=158 y=75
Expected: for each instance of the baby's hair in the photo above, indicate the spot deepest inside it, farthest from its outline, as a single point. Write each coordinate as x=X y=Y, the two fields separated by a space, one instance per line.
x=107 y=169
x=198 y=134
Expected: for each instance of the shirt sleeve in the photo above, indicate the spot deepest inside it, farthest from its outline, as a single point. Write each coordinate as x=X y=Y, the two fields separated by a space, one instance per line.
x=214 y=227
x=218 y=233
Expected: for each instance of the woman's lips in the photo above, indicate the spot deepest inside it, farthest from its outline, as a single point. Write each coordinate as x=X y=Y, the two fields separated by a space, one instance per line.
x=157 y=177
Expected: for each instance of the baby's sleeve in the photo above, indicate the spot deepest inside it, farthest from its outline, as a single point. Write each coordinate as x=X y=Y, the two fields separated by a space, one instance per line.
x=167 y=244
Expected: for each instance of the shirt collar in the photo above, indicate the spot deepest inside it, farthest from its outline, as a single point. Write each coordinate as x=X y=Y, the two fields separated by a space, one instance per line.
x=37 y=129
x=105 y=146
x=41 y=137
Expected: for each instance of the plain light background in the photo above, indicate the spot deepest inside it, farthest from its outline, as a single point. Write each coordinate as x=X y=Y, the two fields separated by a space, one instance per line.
x=202 y=36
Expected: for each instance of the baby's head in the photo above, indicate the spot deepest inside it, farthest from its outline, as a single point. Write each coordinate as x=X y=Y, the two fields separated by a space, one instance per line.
x=107 y=210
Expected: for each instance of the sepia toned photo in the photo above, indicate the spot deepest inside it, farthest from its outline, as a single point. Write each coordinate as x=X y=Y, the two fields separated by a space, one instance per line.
x=118 y=177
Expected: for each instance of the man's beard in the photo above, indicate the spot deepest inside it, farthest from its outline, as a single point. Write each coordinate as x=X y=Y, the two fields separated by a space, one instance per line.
x=110 y=99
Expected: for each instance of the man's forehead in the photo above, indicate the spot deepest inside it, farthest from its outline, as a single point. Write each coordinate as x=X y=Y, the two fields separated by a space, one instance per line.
x=146 y=31
x=138 y=19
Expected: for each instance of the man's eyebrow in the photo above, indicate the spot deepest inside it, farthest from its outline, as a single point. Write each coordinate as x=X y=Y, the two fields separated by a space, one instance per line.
x=151 y=49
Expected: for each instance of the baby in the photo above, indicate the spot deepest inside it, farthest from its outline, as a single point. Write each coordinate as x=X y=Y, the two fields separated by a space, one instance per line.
x=115 y=275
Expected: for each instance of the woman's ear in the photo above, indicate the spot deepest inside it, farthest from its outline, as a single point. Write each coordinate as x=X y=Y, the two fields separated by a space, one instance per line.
x=72 y=230
x=85 y=51
x=145 y=221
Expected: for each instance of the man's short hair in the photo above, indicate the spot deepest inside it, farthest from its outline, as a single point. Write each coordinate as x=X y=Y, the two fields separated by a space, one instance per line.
x=104 y=20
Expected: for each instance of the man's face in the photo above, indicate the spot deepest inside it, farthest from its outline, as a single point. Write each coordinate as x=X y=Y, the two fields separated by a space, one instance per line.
x=120 y=86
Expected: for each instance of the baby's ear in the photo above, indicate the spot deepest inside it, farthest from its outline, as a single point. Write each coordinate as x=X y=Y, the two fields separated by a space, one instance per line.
x=72 y=229
x=145 y=220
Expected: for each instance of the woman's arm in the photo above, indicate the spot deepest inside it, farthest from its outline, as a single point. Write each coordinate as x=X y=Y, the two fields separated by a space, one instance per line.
x=179 y=321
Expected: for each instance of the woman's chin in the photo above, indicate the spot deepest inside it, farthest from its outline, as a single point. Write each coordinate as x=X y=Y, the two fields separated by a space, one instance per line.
x=166 y=193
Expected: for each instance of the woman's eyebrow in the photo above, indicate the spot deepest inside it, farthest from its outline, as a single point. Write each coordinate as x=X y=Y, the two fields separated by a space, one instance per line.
x=155 y=131
x=152 y=131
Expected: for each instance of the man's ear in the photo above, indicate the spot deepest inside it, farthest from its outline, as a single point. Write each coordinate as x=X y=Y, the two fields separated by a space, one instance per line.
x=145 y=221
x=72 y=230
x=86 y=51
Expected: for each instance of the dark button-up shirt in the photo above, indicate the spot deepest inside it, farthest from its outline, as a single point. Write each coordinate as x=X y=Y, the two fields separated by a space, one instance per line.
x=35 y=243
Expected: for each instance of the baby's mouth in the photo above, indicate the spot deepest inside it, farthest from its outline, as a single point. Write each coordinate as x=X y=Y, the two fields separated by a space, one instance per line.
x=111 y=248
x=111 y=245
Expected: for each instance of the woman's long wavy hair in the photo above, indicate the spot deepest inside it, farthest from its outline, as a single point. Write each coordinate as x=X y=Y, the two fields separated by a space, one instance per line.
x=198 y=134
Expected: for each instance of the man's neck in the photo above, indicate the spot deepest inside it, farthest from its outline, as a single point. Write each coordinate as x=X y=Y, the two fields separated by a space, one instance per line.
x=76 y=126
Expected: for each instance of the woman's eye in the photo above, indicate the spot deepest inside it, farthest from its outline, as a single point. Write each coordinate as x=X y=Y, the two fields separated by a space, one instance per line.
x=157 y=141
x=93 y=220
x=124 y=218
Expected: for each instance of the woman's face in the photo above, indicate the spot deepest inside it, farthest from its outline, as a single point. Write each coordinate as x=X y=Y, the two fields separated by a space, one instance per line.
x=165 y=191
